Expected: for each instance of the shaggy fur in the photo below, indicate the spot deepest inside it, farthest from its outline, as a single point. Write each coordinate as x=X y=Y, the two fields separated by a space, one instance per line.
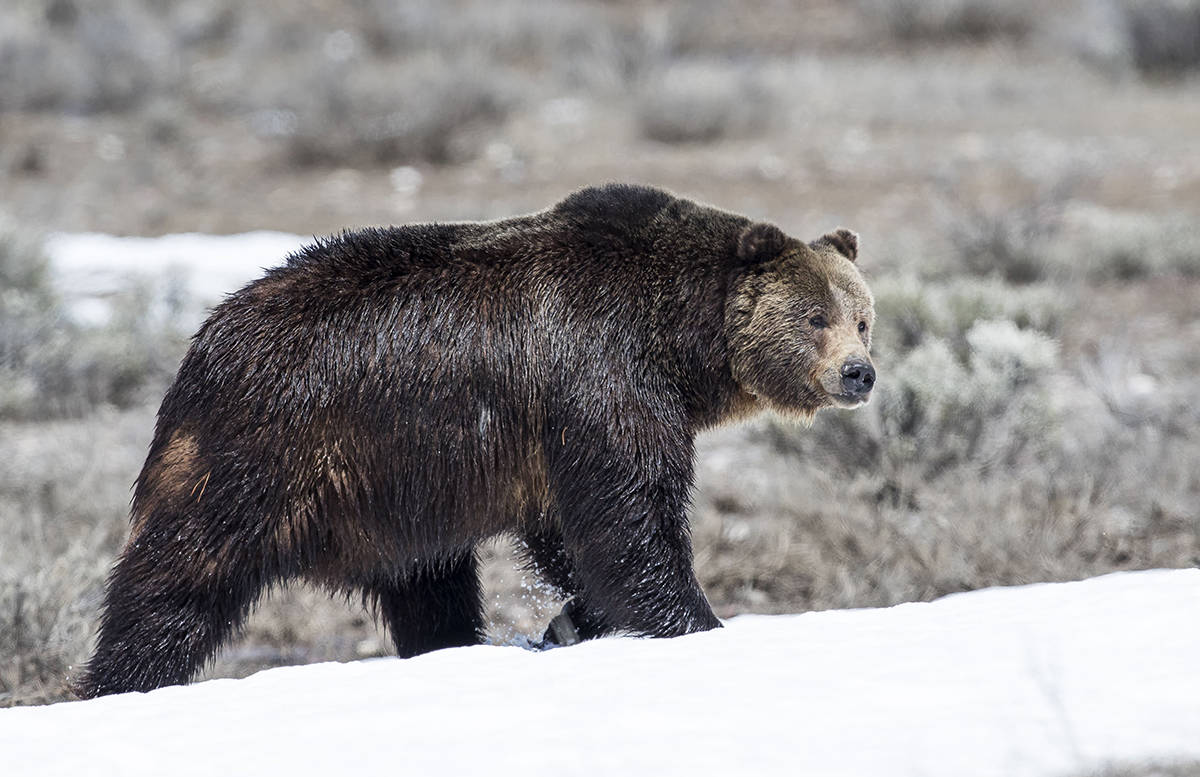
x=365 y=415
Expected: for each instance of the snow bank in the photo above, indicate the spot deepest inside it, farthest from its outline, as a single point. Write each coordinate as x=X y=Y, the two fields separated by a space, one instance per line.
x=89 y=267
x=1036 y=680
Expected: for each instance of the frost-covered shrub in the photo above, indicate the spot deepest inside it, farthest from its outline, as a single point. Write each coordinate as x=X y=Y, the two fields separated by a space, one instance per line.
x=1053 y=238
x=593 y=46
x=695 y=102
x=1164 y=35
x=966 y=373
x=393 y=83
x=1002 y=354
x=64 y=509
x=416 y=111
x=23 y=268
x=29 y=317
x=45 y=623
x=1101 y=244
x=938 y=409
x=81 y=57
x=50 y=365
x=944 y=20
x=910 y=310
x=1012 y=242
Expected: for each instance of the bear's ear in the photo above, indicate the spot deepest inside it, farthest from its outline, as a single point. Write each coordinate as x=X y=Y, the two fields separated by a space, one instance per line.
x=760 y=243
x=843 y=241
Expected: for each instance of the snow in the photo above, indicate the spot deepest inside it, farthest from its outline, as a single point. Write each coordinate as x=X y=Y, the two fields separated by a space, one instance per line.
x=1048 y=679
x=89 y=267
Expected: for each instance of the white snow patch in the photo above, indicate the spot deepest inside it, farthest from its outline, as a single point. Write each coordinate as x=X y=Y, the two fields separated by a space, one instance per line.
x=89 y=268
x=1036 y=680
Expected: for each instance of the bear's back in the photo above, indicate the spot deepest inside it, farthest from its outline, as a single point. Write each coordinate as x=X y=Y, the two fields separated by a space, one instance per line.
x=616 y=205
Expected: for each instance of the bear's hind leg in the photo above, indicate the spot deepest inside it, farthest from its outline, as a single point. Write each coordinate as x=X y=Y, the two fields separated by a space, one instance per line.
x=170 y=603
x=435 y=605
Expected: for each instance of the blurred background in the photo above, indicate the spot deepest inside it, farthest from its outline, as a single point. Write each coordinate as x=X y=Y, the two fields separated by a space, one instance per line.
x=1025 y=177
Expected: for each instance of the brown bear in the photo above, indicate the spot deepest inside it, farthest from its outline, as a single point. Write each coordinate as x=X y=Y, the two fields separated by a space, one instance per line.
x=364 y=415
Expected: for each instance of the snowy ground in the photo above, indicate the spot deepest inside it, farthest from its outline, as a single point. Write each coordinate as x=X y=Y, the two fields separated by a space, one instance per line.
x=1038 y=680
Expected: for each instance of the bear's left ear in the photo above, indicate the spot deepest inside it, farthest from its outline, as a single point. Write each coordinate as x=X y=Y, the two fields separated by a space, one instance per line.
x=843 y=241
x=760 y=242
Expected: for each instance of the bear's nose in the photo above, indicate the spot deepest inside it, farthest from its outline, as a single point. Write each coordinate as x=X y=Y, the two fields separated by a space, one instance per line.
x=858 y=377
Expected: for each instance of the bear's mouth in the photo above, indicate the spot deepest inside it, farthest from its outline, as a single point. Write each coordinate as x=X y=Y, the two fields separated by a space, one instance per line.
x=849 y=401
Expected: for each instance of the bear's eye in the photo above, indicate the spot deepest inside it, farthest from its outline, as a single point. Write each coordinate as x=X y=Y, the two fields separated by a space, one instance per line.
x=818 y=321
x=862 y=326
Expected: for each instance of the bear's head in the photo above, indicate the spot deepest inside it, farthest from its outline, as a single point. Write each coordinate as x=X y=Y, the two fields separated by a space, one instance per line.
x=798 y=321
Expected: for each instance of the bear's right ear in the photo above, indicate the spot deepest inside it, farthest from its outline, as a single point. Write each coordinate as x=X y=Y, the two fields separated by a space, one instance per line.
x=843 y=241
x=760 y=243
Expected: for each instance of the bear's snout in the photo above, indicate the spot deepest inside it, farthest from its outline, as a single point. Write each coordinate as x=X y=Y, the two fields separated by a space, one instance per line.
x=858 y=377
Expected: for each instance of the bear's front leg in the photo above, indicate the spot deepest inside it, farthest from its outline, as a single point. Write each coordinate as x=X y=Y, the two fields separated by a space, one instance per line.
x=622 y=496
x=546 y=555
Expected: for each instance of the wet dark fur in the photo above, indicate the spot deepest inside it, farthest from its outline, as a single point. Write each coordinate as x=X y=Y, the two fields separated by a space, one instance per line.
x=364 y=415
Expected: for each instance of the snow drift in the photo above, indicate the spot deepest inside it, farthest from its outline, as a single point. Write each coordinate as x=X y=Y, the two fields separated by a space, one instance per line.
x=1038 y=680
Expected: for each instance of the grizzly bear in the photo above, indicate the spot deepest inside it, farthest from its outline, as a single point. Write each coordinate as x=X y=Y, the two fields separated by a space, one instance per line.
x=365 y=414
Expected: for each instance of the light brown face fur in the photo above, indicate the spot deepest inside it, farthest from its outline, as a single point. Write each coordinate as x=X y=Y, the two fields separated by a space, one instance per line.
x=796 y=321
